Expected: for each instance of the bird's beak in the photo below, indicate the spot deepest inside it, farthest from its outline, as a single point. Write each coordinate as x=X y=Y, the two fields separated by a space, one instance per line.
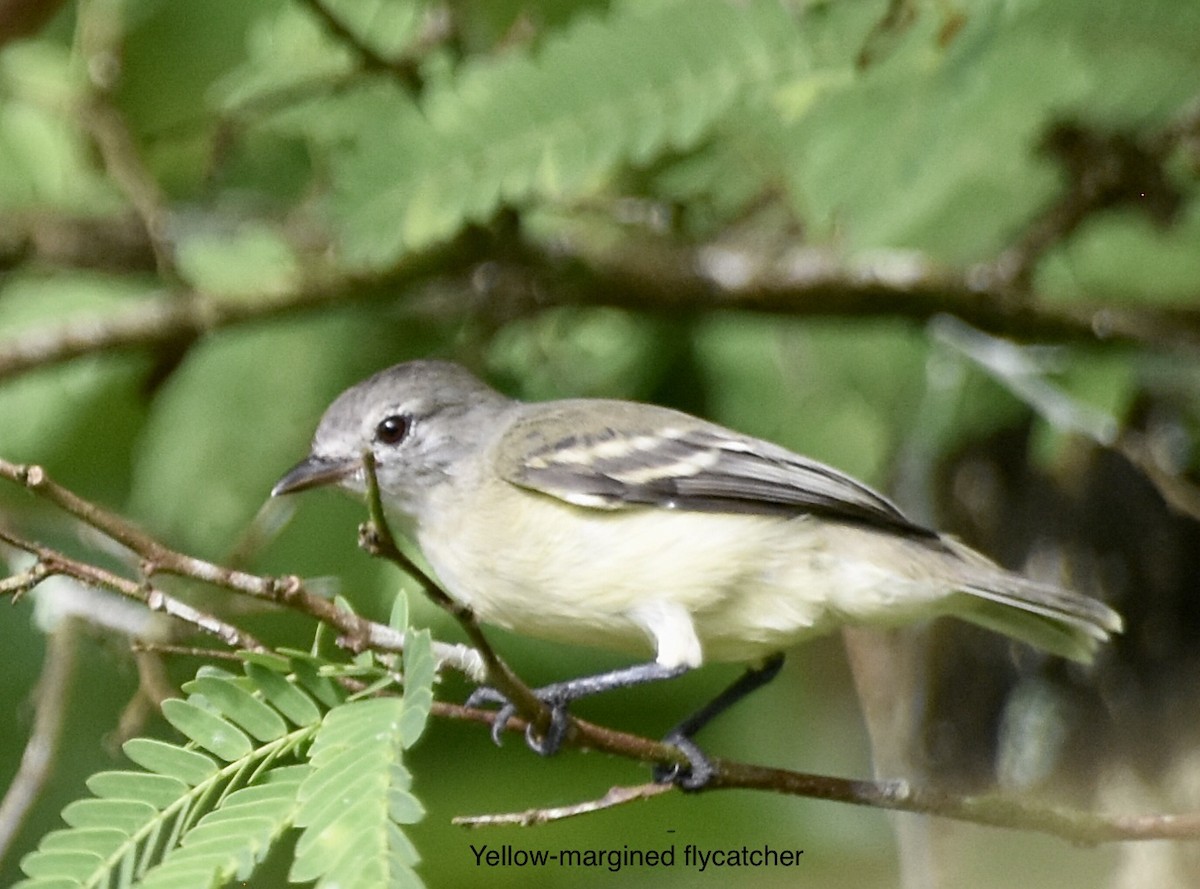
x=314 y=471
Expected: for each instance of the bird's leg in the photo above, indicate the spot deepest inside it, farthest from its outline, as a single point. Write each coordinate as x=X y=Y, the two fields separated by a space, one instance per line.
x=699 y=770
x=558 y=697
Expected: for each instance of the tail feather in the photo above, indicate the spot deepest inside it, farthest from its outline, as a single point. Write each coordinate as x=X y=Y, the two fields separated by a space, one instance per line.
x=1045 y=616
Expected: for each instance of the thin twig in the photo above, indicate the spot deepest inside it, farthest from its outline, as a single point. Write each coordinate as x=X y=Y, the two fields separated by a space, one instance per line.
x=357 y=633
x=1073 y=825
x=377 y=539
x=616 y=796
x=51 y=563
x=100 y=36
x=405 y=70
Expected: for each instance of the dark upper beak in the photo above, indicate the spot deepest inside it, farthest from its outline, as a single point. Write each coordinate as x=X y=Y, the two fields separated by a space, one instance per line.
x=312 y=472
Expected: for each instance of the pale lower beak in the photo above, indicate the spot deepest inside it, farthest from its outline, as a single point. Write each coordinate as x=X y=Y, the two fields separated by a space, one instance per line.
x=312 y=472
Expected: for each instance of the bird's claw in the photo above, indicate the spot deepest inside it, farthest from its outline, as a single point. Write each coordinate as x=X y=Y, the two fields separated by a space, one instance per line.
x=556 y=731
x=695 y=776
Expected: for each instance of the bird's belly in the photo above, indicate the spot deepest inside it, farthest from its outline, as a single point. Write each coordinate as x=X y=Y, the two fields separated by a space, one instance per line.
x=751 y=585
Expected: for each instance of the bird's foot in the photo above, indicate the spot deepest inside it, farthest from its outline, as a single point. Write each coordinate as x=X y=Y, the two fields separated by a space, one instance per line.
x=696 y=775
x=555 y=698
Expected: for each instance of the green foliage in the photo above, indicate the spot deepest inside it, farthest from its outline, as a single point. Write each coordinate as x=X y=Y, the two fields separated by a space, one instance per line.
x=447 y=144
x=552 y=124
x=274 y=749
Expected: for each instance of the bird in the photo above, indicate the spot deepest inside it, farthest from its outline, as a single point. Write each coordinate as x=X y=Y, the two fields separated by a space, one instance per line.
x=646 y=530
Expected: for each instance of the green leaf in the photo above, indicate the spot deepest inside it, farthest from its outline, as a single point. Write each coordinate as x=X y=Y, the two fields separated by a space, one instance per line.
x=398 y=617
x=189 y=766
x=241 y=707
x=347 y=803
x=323 y=688
x=419 y=671
x=158 y=791
x=68 y=865
x=404 y=808
x=100 y=841
x=227 y=843
x=216 y=735
x=188 y=814
x=285 y=696
x=126 y=816
x=244 y=264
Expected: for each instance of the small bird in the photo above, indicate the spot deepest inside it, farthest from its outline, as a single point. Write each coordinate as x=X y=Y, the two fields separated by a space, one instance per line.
x=644 y=529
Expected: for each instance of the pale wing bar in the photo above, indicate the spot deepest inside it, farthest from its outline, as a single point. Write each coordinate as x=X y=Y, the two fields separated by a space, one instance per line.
x=700 y=468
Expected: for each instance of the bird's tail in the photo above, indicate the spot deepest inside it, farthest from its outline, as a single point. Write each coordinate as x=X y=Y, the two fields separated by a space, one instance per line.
x=1043 y=615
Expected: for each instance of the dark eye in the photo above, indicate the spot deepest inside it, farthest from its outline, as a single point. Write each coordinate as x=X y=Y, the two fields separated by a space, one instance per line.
x=393 y=430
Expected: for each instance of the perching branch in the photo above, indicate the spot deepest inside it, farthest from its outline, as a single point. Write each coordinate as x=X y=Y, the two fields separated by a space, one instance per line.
x=360 y=634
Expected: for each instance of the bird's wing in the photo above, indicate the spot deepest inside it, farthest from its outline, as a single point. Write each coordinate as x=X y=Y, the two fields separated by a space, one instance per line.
x=643 y=455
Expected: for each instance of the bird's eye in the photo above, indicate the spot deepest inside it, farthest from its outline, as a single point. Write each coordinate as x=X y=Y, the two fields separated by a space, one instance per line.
x=393 y=430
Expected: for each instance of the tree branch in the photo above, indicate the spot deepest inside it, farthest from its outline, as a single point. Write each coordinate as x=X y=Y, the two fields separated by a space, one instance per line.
x=990 y=810
x=651 y=277
x=357 y=633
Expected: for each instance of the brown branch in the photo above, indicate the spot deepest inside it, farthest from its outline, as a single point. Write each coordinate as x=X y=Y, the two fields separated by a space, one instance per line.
x=52 y=563
x=357 y=633
x=990 y=810
x=377 y=539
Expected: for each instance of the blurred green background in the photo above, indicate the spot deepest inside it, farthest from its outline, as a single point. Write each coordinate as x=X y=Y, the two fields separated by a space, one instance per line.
x=216 y=215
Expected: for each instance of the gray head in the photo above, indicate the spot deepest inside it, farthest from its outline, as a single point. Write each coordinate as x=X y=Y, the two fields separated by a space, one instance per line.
x=417 y=419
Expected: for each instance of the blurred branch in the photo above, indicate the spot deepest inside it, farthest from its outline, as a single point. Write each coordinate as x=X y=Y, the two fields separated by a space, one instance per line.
x=1024 y=373
x=52 y=698
x=645 y=277
x=1103 y=170
x=101 y=36
x=406 y=69
x=171 y=318
x=21 y=18
x=360 y=634
x=812 y=282
x=113 y=244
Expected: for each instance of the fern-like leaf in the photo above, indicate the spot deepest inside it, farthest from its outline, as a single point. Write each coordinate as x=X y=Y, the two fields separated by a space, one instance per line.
x=190 y=805
x=205 y=814
x=228 y=842
x=352 y=803
x=606 y=92
x=357 y=795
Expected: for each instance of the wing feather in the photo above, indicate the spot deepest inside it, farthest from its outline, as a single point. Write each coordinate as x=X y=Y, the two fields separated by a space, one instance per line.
x=646 y=455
